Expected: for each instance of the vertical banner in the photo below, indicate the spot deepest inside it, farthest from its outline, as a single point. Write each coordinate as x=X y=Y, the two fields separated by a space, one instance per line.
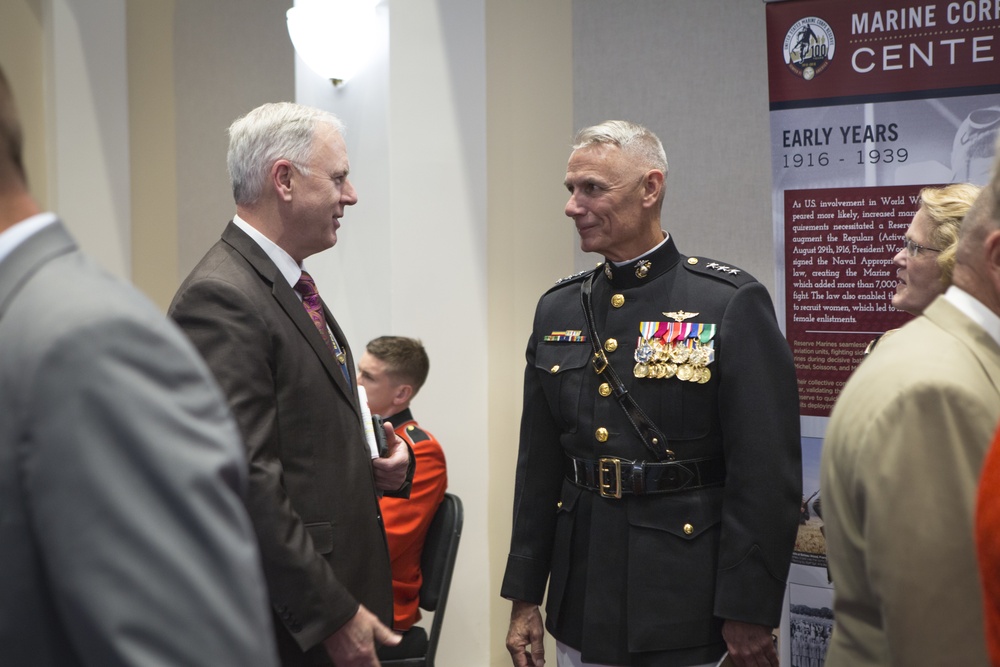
x=870 y=101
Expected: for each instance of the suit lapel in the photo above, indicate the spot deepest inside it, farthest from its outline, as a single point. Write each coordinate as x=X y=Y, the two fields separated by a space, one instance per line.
x=37 y=250
x=289 y=302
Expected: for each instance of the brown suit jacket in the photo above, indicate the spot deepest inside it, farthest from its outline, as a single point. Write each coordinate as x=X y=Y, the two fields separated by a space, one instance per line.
x=312 y=493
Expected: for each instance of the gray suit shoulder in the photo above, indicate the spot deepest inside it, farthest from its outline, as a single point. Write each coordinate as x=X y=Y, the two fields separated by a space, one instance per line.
x=711 y=268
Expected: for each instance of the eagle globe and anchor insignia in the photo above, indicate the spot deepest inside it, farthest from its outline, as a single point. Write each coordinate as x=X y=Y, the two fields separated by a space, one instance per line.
x=808 y=47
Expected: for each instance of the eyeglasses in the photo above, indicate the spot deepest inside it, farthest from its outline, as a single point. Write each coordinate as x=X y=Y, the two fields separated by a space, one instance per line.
x=913 y=249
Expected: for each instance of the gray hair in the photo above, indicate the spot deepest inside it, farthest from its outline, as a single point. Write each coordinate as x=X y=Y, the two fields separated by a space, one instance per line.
x=269 y=133
x=632 y=138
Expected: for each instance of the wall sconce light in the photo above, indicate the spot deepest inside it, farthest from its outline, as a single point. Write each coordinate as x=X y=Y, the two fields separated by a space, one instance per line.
x=333 y=37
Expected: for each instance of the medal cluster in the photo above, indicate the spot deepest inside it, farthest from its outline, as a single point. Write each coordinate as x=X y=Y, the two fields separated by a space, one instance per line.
x=672 y=349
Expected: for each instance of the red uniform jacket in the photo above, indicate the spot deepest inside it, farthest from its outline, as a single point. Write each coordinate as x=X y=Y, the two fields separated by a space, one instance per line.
x=407 y=520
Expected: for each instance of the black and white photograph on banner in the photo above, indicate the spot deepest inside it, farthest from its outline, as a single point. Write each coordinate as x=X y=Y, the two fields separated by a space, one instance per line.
x=810 y=624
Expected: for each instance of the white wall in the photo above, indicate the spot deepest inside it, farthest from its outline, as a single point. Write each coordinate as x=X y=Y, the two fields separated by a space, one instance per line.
x=411 y=255
x=87 y=125
x=229 y=56
x=696 y=74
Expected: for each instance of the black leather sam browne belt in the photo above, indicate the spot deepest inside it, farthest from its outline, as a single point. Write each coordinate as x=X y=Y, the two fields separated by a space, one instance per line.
x=612 y=477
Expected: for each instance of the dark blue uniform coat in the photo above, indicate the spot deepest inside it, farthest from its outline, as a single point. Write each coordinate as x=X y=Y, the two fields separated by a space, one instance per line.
x=648 y=579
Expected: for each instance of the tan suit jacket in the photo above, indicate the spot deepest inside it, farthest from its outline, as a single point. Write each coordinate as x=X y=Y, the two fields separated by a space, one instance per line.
x=900 y=466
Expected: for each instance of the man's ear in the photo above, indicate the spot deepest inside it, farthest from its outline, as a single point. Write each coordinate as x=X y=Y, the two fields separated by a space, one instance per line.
x=992 y=245
x=403 y=394
x=281 y=179
x=652 y=187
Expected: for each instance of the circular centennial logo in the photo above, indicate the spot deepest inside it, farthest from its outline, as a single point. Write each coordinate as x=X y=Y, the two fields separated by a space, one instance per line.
x=808 y=47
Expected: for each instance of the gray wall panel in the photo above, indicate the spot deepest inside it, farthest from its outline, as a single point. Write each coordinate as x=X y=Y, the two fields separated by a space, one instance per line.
x=693 y=71
x=230 y=56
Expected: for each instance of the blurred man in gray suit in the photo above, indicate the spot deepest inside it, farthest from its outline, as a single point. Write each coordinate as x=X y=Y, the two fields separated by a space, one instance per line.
x=123 y=536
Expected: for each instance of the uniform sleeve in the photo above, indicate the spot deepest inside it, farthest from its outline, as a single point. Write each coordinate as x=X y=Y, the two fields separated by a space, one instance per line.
x=537 y=485
x=759 y=413
x=134 y=477
x=232 y=336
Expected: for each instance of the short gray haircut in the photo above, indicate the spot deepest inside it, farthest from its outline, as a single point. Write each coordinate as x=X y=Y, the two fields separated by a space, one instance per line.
x=267 y=134
x=631 y=138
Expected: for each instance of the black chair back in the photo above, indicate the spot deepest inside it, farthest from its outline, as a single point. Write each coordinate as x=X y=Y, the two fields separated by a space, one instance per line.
x=437 y=563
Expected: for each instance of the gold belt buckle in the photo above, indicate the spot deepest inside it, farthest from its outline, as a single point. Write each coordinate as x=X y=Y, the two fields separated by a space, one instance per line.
x=609 y=468
x=599 y=362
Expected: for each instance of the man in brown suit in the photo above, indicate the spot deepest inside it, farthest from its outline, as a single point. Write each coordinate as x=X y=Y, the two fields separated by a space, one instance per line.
x=286 y=368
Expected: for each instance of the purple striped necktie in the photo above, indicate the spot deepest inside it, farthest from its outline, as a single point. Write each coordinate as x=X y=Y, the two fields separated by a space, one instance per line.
x=314 y=307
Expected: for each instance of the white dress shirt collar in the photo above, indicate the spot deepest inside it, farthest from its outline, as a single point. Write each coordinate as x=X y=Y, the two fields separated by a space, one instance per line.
x=21 y=231
x=289 y=268
x=975 y=310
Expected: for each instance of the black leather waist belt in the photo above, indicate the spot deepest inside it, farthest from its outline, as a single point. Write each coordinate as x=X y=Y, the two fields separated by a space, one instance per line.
x=613 y=477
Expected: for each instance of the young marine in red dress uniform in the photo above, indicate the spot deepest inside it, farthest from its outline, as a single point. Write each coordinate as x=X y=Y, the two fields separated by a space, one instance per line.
x=392 y=370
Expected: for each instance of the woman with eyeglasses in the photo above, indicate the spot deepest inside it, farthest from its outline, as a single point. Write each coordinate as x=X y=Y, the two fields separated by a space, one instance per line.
x=927 y=258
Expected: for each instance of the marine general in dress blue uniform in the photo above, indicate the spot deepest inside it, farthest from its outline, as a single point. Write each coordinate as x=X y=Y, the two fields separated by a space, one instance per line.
x=659 y=475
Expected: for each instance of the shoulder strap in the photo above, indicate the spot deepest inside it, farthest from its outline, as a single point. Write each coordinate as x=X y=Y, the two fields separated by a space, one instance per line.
x=651 y=436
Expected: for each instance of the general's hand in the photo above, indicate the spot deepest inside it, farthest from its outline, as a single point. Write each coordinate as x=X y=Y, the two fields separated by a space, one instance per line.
x=749 y=644
x=390 y=472
x=526 y=630
x=354 y=644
